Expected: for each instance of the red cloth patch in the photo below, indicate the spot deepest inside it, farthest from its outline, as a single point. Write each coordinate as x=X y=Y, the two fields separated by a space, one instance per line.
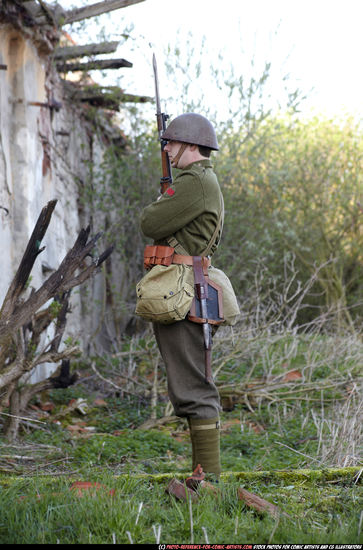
x=170 y=192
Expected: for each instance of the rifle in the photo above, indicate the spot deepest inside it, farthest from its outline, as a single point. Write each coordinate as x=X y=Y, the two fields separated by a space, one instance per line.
x=201 y=284
x=166 y=180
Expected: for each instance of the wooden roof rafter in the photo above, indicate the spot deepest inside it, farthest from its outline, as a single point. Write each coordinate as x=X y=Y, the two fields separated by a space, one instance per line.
x=97 y=64
x=62 y=53
x=54 y=15
x=79 y=14
x=106 y=97
x=45 y=20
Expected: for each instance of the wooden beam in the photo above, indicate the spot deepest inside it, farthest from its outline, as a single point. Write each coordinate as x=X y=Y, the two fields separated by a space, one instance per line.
x=43 y=13
x=99 y=64
x=48 y=12
x=70 y=52
x=33 y=8
x=106 y=97
x=78 y=14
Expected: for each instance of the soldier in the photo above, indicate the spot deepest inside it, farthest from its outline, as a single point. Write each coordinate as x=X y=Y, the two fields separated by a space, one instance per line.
x=189 y=217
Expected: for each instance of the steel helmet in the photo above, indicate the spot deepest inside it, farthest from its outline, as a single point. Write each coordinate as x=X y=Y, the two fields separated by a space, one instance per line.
x=192 y=128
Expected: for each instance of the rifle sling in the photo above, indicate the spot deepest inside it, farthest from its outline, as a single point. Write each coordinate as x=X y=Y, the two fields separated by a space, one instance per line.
x=179 y=249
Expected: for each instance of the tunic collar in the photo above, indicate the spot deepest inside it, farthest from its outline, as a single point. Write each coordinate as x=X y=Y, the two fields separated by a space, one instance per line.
x=206 y=163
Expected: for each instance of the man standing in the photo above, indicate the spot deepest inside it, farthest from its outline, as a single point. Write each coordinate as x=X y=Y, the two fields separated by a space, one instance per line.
x=189 y=217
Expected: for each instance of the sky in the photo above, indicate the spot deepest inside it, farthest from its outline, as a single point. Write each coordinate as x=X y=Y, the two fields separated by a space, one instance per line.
x=318 y=43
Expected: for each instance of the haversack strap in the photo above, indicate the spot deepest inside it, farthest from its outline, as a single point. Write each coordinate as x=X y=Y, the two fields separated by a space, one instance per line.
x=179 y=249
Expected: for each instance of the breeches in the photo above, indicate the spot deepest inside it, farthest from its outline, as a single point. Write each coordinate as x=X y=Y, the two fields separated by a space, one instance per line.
x=181 y=345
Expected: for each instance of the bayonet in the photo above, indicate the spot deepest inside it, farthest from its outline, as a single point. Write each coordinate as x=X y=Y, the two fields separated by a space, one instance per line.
x=201 y=287
x=166 y=180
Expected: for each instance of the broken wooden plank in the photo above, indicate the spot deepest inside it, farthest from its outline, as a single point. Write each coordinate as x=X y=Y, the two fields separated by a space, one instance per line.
x=70 y=52
x=180 y=491
x=48 y=13
x=33 y=9
x=105 y=97
x=43 y=13
x=78 y=14
x=258 y=503
x=100 y=64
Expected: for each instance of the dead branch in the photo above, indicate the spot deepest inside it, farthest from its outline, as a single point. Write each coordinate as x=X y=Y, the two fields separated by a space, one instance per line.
x=13 y=315
x=27 y=262
x=60 y=379
x=157 y=422
x=20 y=366
x=123 y=390
x=22 y=322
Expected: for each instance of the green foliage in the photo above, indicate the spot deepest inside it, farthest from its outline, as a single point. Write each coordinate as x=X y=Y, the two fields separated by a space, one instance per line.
x=55 y=308
x=294 y=187
x=124 y=180
x=143 y=446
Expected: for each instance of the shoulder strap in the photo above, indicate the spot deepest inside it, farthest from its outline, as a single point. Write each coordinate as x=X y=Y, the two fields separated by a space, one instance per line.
x=177 y=246
x=172 y=241
x=206 y=252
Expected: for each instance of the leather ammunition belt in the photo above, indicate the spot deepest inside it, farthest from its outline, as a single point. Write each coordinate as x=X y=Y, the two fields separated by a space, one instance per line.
x=165 y=255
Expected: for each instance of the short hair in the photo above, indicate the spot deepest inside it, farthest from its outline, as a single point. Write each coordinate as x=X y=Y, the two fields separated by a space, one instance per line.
x=204 y=151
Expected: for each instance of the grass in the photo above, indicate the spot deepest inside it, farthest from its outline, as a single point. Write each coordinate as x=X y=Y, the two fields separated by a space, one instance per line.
x=51 y=513
x=280 y=440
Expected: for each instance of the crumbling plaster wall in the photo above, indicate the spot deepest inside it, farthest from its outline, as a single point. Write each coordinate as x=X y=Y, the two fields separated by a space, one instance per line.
x=44 y=154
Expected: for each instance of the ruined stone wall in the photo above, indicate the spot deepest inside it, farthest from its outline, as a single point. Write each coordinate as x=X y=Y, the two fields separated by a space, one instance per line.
x=46 y=145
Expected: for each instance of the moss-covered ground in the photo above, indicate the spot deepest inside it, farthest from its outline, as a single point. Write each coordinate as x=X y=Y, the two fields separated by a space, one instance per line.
x=294 y=444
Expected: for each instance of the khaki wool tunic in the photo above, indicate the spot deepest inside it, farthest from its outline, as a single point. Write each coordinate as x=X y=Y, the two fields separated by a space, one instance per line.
x=189 y=211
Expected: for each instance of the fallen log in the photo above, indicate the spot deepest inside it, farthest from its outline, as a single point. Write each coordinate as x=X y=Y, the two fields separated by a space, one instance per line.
x=325 y=475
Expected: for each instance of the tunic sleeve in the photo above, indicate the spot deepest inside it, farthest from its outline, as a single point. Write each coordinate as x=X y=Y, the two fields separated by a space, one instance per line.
x=180 y=204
